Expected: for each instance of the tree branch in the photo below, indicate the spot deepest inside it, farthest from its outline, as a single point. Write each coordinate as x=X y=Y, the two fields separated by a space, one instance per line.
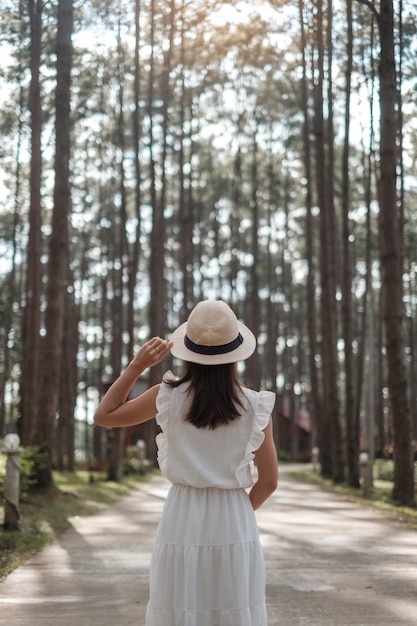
x=370 y=5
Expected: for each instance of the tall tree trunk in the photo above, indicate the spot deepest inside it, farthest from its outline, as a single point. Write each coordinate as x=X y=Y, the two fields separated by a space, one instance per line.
x=119 y=256
x=413 y=334
x=400 y=118
x=364 y=347
x=272 y=319
x=136 y=247
x=253 y=369
x=311 y=286
x=288 y=332
x=58 y=246
x=391 y=263
x=413 y=354
x=68 y=386
x=85 y=311
x=99 y=437
x=383 y=429
x=117 y=434
x=329 y=422
x=186 y=220
x=8 y=316
x=157 y=261
x=32 y=313
x=334 y=269
x=234 y=224
x=352 y=424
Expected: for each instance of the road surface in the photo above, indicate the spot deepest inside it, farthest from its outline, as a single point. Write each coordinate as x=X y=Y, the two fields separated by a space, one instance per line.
x=329 y=562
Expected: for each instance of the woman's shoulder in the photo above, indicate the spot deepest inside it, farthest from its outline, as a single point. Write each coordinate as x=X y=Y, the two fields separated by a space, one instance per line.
x=261 y=402
x=261 y=395
x=167 y=391
x=167 y=378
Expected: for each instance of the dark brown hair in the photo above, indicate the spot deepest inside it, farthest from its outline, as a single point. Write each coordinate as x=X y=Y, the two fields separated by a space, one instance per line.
x=215 y=392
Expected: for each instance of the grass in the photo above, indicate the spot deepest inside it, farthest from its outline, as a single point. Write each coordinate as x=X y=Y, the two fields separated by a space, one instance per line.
x=380 y=496
x=46 y=514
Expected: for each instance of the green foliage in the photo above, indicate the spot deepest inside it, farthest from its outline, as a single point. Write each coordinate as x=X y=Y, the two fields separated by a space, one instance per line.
x=133 y=463
x=17 y=547
x=131 y=466
x=283 y=455
x=33 y=460
x=384 y=469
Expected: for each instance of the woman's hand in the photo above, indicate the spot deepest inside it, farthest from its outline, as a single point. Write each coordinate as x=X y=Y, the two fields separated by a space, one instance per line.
x=113 y=409
x=151 y=353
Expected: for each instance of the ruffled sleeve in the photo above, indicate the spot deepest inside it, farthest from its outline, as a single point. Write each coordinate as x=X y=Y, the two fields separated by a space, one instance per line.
x=162 y=406
x=264 y=404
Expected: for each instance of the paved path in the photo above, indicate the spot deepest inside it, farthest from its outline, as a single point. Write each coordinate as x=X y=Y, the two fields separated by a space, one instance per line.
x=329 y=563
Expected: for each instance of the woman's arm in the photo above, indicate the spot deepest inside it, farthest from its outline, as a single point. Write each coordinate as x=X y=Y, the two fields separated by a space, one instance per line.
x=114 y=410
x=267 y=466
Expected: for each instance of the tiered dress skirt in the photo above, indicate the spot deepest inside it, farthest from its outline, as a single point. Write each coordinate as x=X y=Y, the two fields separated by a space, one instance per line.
x=207 y=565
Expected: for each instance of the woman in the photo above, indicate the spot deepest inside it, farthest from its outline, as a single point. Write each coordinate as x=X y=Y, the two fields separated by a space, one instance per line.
x=207 y=564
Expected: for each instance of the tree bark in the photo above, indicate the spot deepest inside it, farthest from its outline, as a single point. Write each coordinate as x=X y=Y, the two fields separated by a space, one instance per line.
x=331 y=458
x=32 y=313
x=68 y=386
x=12 y=290
x=234 y=223
x=352 y=423
x=137 y=132
x=315 y=382
x=253 y=370
x=391 y=262
x=364 y=346
x=157 y=262
x=338 y=469
x=58 y=246
x=186 y=212
x=119 y=255
x=272 y=318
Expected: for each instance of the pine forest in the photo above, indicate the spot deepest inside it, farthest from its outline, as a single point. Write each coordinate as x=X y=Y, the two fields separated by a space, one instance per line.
x=155 y=153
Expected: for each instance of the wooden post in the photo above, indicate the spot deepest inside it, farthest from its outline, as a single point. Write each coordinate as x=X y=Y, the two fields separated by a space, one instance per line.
x=11 y=490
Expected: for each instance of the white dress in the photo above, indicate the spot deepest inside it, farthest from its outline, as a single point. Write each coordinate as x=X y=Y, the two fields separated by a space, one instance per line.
x=207 y=564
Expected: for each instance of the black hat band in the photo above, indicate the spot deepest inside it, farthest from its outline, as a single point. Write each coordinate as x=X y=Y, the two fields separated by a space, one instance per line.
x=211 y=350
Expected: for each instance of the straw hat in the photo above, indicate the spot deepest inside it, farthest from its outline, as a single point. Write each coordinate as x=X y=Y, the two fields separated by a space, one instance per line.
x=212 y=335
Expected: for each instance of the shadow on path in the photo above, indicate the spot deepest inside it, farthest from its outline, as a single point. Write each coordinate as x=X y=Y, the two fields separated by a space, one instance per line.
x=329 y=563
